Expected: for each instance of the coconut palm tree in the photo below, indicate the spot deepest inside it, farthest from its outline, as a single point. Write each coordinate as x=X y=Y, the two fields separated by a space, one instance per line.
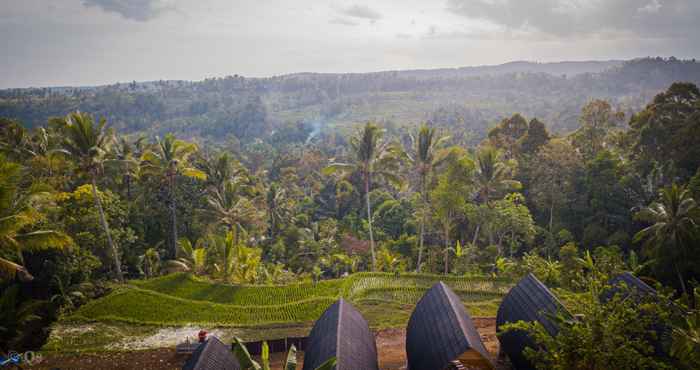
x=493 y=177
x=87 y=141
x=168 y=159
x=424 y=156
x=126 y=154
x=675 y=225
x=228 y=205
x=19 y=215
x=374 y=158
x=276 y=199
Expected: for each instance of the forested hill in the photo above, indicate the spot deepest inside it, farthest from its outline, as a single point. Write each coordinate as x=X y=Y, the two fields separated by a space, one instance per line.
x=473 y=98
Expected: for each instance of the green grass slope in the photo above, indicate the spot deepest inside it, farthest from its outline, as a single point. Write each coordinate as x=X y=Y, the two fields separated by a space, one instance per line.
x=181 y=299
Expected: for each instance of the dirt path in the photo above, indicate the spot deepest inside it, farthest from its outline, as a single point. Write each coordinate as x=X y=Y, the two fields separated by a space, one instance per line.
x=391 y=344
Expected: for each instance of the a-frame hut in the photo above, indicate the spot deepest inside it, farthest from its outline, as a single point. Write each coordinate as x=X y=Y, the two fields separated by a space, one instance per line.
x=341 y=332
x=440 y=333
x=528 y=301
x=212 y=355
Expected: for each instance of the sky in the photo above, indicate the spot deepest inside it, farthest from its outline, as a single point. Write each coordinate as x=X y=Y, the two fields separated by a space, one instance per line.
x=95 y=42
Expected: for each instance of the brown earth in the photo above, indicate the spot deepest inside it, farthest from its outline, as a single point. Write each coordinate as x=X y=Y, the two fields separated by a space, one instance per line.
x=390 y=345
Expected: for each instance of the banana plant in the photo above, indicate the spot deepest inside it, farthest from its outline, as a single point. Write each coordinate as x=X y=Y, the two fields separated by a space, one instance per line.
x=247 y=363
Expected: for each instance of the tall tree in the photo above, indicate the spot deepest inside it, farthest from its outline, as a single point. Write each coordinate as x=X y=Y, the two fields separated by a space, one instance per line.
x=674 y=231
x=126 y=154
x=87 y=142
x=424 y=157
x=535 y=137
x=374 y=158
x=493 y=178
x=553 y=174
x=668 y=129
x=493 y=175
x=450 y=196
x=228 y=206
x=167 y=160
x=507 y=133
x=597 y=120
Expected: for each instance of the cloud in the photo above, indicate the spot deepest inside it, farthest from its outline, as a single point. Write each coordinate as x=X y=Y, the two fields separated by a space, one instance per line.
x=571 y=18
x=361 y=11
x=343 y=21
x=652 y=7
x=137 y=10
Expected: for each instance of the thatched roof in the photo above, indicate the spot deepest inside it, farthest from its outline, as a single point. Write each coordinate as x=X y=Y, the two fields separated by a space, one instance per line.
x=529 y=301
x=440 y=331
x=341 y=332
x=212 y=355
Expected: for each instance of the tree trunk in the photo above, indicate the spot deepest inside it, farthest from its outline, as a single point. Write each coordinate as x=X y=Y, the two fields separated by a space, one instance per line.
x=447 y=250
x=422 y=226
x=173 y=216
x=127 y=180
x=680 y=278
x=551 y=216
x=105 y=226
x=369 y=221
x=476 y=234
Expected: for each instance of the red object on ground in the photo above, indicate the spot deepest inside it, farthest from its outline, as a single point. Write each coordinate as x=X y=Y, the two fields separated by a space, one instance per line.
x=202 y=336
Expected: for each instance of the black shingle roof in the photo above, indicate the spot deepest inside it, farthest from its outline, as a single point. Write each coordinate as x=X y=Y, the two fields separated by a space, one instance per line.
x=341 y=332
x=529 y=301
x=633 y=285
x=212 y=355
x=440 y=331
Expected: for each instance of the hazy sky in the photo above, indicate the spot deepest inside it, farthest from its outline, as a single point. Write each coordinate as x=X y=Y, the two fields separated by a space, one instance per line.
x=88 y=42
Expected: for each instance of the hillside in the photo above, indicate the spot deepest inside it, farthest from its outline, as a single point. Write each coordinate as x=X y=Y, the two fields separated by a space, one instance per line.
x=472 y=98
x=182 y=299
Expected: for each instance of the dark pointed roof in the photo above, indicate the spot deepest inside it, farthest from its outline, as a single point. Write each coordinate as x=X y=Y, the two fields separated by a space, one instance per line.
x=341 y=332
x=440 y=331
x=212 y=355
x=633 y=284
x=529 y=301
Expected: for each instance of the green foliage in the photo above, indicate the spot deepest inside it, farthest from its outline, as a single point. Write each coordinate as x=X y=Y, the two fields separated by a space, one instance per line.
x=77 y=215
x=571 y=269
x=547 y=270
x=22 y=212
x=686 y=338
x=667 y=128
x=672 y=237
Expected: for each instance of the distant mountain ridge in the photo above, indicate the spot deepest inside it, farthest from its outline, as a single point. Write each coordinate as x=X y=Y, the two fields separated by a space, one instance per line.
x=249 y=108
x=569 y=68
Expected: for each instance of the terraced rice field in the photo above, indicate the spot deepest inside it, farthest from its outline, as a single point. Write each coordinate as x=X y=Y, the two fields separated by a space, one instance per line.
x=181 y=299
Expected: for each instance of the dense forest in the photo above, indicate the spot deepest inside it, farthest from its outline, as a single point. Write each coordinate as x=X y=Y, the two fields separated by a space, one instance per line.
x=227 y=179
x=470 y=99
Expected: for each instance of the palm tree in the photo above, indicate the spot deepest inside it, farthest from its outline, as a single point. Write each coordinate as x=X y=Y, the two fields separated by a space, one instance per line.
x=19 y=215
x=167 y=160
x=675 y=221
x=229 y=207
x=373 y=158
x=424 y=159
x=493 y=177
x=276 y=207
x=127 y=154
x=87 y=142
